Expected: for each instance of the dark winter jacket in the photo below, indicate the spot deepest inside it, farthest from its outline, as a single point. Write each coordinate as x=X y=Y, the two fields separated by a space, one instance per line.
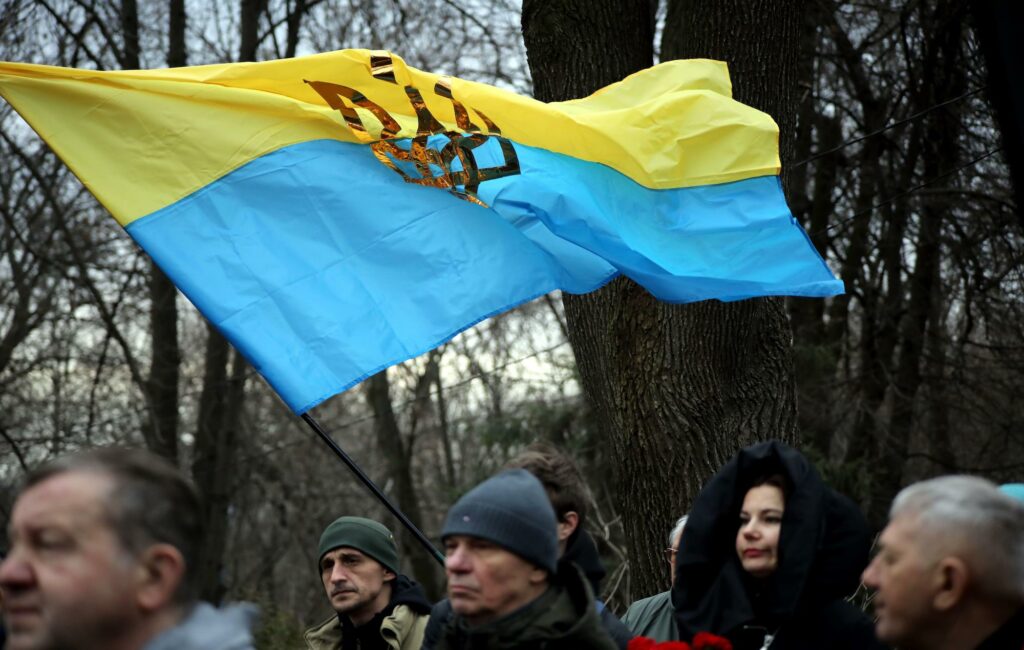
x=399 y=626
x=582 y=551
x=1010 y=636
x=823 y=547
x=563 y=617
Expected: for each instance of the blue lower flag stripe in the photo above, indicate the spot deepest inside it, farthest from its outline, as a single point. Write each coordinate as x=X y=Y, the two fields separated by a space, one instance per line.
x=323 y=266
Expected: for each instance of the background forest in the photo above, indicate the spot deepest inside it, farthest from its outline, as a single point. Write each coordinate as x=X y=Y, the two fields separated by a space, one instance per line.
x=892 y=161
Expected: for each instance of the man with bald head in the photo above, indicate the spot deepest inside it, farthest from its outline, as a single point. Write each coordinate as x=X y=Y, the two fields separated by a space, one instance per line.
x=949 y=574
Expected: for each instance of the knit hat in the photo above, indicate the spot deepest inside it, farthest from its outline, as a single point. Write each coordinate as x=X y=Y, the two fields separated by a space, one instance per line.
x=512 y=510
x=366 y=535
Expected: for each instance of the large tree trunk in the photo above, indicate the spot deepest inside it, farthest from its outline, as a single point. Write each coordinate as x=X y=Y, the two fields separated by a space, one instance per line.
x=678 y=388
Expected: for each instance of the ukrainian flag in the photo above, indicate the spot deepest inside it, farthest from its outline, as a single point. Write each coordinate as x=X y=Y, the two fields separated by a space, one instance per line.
x=339 y=213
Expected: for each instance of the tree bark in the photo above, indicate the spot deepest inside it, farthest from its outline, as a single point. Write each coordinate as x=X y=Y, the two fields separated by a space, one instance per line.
x=938 y=418
x=162 y=382
x=213 y=467
x=250 y=16
x=679 y=389
x=294 y=23
x=165 y=352
x=434 y=371
x=130 y=30
x=160 y=430
x=176 y=52
x=209 y=430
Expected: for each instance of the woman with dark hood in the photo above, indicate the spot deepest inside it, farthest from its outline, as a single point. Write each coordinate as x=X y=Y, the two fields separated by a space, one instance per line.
x=770 y=555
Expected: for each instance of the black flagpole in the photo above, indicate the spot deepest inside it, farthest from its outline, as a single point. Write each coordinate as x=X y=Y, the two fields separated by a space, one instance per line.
x=345 y=458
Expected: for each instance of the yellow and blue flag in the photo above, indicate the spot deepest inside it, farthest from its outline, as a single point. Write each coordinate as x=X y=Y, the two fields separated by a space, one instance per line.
x=339 y=213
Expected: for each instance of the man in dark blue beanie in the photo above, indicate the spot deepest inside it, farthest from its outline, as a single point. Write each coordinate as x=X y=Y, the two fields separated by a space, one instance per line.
x=506 y=586
x=563 y=482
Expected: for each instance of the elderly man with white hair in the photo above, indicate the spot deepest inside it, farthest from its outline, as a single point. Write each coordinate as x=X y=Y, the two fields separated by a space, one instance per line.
x=654 y=616
x=949 y=574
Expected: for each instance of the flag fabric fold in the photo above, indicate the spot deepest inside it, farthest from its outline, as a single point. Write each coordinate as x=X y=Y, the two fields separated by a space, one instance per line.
x=335 y=214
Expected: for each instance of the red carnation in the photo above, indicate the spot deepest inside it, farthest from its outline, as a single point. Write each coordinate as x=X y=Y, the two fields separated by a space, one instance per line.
x=703 y=641
x=706 y=641
x=640 y=643
x=645 y=643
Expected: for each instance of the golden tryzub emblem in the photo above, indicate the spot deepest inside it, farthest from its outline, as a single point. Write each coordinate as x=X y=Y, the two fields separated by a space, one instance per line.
x=434 y=166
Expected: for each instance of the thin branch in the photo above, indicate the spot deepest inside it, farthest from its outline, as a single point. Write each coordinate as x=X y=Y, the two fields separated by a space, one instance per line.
x=910 y=191
x=887 y=127
x=106 y=315
x=78 y=36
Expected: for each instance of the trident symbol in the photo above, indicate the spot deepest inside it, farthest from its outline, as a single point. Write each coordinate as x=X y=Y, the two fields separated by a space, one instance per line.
x=427 y=159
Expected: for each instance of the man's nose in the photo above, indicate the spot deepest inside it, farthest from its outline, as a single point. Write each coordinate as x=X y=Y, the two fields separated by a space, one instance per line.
x=868 y=577
x=338 y=573
x=457 y=561
x=15 y=572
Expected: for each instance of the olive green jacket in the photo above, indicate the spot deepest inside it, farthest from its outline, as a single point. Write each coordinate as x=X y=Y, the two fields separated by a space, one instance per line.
x=402 y=630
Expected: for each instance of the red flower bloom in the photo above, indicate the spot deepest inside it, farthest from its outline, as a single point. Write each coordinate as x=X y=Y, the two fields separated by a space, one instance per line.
x=706 y=641
x=703 y=641
x=644 y=643
x=641 y=643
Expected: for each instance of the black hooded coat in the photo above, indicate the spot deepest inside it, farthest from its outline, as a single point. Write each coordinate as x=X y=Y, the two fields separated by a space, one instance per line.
x=824 y=544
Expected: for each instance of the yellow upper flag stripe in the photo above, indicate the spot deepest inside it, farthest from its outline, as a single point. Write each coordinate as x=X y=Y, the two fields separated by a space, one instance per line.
x=143 y=139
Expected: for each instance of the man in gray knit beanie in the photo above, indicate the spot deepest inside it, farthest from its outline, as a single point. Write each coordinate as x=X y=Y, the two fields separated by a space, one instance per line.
x=513 y=511
x=506 y=587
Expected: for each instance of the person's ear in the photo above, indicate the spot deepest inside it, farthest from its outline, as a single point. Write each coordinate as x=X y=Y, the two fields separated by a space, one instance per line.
x=389 y=575
x=568 y=525
x=161 y=570
x=538 y=575
x=951 y=576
